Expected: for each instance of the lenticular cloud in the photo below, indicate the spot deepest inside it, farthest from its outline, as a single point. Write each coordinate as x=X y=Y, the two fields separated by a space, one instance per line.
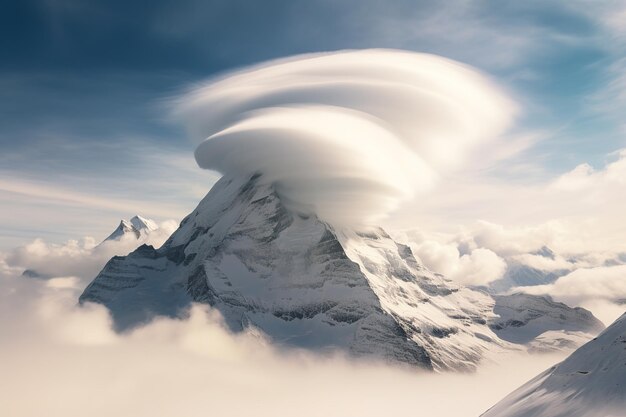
x=348 y=134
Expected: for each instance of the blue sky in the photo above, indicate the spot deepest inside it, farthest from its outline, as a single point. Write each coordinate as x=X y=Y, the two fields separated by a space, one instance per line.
x=84 y=133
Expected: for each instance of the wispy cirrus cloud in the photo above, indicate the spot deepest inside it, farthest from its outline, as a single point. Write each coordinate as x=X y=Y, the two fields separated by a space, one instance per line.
x=94 y=185
x=552 y=57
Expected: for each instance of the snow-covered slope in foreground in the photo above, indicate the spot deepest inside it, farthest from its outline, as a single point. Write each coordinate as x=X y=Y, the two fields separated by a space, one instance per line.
x=591 y=382
x=301 y=282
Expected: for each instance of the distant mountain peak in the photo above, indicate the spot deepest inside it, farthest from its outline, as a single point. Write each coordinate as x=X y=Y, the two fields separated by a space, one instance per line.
x=137 y=226
x=143 y=224
x=545 y=251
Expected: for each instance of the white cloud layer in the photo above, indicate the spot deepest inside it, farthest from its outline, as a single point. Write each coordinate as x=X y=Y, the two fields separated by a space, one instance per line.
x=579 y=212
x=64 y=360
x=82 y=259
x=601 y=289
x=478 y=267
x=349 y=133
x=594 y=269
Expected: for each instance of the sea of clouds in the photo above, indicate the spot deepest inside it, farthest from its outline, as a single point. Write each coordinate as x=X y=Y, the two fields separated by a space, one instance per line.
x=65 y=360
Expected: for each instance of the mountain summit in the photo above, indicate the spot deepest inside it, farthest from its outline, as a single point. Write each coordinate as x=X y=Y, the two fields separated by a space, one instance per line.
x=267 y=265
x=301 y=282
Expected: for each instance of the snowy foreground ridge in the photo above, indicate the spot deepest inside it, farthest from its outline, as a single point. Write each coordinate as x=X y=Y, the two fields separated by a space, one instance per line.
x=591 y=382
x=303 y=283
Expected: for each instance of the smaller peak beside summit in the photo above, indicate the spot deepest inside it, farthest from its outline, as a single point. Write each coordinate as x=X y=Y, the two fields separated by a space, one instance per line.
x=125 y=228
x=545 y=251
x=143 y=224
x=138 y=227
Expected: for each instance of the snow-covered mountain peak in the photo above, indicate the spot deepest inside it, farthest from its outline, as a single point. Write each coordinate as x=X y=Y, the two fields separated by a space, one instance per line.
x=266 y=264
x=143 y=225
x=125 y=228
x=137 y=227
x=545 y=251
x=303 y=283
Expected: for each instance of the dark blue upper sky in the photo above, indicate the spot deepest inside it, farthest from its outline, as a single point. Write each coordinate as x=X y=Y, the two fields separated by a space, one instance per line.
x=84 y=83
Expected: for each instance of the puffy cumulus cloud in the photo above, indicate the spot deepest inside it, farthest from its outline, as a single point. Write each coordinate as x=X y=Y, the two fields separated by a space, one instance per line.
x=592 y=269
x=565 y=244
x=476 y=266
x=349 y=133
x=6 y=269
x=593 y=202
x=508 y=241
x=83 y=259
x=59 y=359
x=577 y=213
x=481 y=253
x=544 y=263
x=545 y=247
x=480 y=267
x=576 y=179
x=585 y=177
x=601 y=282
x=438 y=256
x=555 y=244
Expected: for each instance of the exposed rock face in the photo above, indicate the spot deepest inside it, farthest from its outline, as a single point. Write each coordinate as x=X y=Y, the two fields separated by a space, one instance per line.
x=301 y=282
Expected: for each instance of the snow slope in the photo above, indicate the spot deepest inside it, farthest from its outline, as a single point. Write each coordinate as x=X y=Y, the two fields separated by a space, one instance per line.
x=301 y=282
x=524 y=317
x=591 y=382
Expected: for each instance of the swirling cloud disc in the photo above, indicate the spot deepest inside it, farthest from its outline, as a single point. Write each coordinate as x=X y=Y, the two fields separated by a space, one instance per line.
x=348 y=134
